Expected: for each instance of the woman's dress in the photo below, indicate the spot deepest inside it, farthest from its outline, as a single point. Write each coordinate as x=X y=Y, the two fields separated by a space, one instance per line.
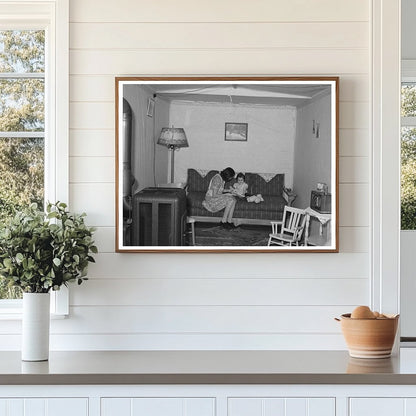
x=215 y=200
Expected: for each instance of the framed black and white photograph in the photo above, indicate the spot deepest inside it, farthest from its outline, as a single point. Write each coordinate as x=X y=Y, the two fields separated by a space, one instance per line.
x=186 y=184
x=236 y=132
x=150 y=107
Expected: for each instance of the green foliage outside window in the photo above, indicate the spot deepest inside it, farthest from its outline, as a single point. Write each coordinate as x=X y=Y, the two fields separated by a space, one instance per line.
x=408 y=160
x=21 y=110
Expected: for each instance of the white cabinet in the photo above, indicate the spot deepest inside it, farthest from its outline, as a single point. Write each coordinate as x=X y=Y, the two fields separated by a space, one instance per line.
x=157 y=406
x=44 y=407
x=281 y=406
x=391 y=406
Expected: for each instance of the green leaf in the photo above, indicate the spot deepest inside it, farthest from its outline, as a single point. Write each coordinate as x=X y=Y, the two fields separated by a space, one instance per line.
x=56 y=261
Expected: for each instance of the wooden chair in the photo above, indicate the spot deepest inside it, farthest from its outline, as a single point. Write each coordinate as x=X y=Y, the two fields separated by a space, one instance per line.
x=289 y=231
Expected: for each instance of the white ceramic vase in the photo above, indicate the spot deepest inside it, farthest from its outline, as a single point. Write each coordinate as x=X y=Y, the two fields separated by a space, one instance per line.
x=35 y=326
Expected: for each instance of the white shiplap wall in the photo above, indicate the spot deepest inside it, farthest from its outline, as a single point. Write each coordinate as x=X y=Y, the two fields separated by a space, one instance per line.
x=214 y=301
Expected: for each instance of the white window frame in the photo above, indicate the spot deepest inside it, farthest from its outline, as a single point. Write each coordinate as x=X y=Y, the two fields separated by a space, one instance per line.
x=385 y=184
x=53 y=17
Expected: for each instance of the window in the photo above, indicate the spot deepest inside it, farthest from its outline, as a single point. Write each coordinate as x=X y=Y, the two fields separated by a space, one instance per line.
x=408 y=153
x=33 y=110
x=22 y=124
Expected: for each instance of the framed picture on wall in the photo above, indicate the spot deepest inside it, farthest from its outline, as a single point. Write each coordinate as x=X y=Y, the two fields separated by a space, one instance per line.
x=236 y=132
x=184 y=185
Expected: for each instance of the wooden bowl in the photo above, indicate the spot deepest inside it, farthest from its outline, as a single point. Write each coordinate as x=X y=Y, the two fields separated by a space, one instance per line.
x=369 y=338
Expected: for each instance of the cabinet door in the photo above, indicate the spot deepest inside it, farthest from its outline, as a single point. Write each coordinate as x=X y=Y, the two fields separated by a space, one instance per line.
x=281 y=406
x=155 y=406
x=378 y=406
x=44 y=407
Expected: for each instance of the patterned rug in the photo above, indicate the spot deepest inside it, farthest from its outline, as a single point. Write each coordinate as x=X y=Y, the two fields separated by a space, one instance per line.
x=244 y=235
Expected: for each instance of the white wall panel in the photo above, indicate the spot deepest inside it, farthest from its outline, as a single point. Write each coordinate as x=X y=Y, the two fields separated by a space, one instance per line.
x=218 y=291
x=354 y=142
x=295 y=61
x=96 y=199
x=105 y=238
x=353 y=170
x=91 y=115
x=354 y=205
x=93 y=143
x=185 y=341
x=308 y=265
x=218 y=11
x=201 y=319
x=92 y=169
x=354 y=239
x=354 y=115
x=92 y=88
x=203 y=301
x=218 y=35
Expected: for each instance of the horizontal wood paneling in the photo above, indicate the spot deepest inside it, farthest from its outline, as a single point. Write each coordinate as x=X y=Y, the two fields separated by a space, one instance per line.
x=104 y=238
x=94 y=88
x=219 y=11
x=207 y=266
x=237 y=62
x=354 y=142
x=218 y=291
x=92 y=115
x=92 y=169
x=354 y=208
x=218 y=35
x=354 y=239
x=213 y=301
x=94 y=143
x=354 y=115
x=354 y=170
x=184 y=341
x=200 y=319
x=96 y=199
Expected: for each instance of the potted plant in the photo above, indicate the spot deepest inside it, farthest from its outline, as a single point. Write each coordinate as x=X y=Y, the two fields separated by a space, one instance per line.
x=40 y=252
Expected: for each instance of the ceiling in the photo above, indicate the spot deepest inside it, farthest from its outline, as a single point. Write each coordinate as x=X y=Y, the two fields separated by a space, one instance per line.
x=271 y=94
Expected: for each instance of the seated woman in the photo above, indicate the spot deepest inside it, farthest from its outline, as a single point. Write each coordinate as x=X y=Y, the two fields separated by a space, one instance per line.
x=217 y=199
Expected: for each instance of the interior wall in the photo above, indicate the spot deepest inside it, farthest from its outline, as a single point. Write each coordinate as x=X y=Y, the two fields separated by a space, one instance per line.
x=312 y=154
x=269 y=145
x=213 y=301
x=142 y=147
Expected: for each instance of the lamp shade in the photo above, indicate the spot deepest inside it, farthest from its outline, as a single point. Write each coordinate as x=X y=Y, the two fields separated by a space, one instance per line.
x=173 y=137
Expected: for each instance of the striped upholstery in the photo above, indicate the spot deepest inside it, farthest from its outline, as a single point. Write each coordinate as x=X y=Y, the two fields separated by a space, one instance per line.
x=198 y=183
x=271 y=209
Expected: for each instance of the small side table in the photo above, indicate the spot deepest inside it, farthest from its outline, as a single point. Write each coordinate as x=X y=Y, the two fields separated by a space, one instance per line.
x=322 y=218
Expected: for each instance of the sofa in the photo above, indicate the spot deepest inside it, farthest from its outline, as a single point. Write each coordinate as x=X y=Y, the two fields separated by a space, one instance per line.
x=270 y=186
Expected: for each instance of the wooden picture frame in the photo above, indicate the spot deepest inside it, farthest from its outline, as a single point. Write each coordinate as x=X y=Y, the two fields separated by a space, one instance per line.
x=169 y=164
x=236 y=132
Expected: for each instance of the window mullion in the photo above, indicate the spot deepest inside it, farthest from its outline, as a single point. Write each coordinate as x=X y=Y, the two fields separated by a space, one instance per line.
x=22 y=134
x=22 y=75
